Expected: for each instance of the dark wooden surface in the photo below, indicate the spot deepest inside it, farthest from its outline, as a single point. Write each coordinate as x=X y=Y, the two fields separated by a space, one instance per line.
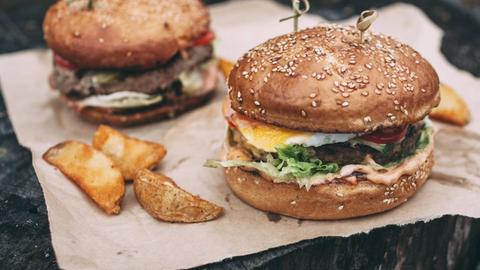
x=450 y=242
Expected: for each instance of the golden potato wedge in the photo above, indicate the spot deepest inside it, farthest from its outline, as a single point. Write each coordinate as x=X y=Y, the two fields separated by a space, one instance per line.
x=164 y=200
x=452 y=108
x=129 y=154
x=92 y=171
x=226 y=66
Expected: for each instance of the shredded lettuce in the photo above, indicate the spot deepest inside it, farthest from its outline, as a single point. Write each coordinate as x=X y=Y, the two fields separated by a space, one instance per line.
x=293 y=162
x=424 y=139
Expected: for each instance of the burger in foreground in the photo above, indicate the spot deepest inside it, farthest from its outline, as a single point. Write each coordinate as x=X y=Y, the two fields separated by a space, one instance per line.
x=324 y=126
x=131 y=62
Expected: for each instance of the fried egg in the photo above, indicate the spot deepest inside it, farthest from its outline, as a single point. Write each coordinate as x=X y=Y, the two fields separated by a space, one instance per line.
x=269 y=137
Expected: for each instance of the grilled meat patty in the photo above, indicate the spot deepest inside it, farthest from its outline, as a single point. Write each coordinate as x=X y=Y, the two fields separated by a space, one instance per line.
x=345 y=153
x=84 y=83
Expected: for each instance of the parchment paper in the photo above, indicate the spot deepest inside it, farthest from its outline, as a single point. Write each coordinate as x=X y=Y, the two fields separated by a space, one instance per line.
x=85 y=238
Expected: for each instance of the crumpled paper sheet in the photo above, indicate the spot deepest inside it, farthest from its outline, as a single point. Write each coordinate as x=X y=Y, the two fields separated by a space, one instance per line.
x=85 y=238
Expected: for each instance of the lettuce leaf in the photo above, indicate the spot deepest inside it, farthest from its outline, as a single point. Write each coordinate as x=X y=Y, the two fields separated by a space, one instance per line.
x=292 y=162
x=424 y=139
x=300 y=162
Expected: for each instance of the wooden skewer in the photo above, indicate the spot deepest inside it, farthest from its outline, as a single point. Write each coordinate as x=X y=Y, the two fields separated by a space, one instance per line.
x=365 y=20
x=297 y=12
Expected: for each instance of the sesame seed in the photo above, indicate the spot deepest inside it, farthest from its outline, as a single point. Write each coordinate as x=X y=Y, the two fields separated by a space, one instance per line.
x=345 y=95
x=423 y=90
x=367 y=119
x=252 y=91
x=378 y=92
x=304 y=114
x=340 y=208
x=345 y=104
x=396 y=102
x=265 y=79
x=314 y=103
x=293 y=202
x=239 y=97
x=305 y=77
x=256 y=103
x=369 y=66
x=313 y=95
x=339 y=194
x=365 y=93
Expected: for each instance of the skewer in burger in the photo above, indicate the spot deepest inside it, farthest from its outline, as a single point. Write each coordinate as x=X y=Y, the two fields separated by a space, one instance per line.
x=324 y=126
x=130 y=62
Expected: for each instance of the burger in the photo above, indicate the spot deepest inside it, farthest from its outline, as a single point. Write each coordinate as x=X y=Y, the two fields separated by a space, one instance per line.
x=130 y=62
x=322 y=125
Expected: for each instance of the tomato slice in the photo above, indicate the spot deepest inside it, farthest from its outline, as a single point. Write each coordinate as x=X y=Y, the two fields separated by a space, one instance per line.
x=207 y=38
x=384 y=136
x=63 y=62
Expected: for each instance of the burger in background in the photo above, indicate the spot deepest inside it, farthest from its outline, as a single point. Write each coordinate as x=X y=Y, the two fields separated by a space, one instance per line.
x=131 y=62
x=324 y=126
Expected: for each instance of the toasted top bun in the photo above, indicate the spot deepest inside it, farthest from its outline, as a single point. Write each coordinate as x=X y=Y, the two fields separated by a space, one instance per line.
x=120 y=33
x=324 y=79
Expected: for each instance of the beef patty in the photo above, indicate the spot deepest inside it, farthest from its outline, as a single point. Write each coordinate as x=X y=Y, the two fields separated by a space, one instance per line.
x=345 y=153
x=84 y=83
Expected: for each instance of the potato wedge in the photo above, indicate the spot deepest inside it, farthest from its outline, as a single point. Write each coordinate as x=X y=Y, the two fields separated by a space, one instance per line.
x=92 y=171
x=164 y=200
x=226 y=66
x=129 y=154
x=452 y=108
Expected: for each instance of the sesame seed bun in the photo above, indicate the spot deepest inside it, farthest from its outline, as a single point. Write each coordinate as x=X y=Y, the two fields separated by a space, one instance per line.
x=121 y=34
x=324 y=79
x=337 y=200
x=163 y=111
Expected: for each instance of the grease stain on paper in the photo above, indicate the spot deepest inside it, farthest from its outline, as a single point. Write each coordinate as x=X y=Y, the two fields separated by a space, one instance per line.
x=178 y=163
x=273 y=217
x=452 y=180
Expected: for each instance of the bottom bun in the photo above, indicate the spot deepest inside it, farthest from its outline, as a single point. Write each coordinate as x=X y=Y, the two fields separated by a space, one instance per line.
x=337 y=200
x=163 y=111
